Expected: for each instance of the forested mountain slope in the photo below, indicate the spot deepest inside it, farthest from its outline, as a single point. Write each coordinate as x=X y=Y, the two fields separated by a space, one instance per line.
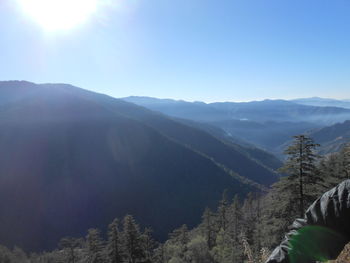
x=268 y=135
x=71 y=159
x=333 y=138
x=241 y=145
x=187 y=135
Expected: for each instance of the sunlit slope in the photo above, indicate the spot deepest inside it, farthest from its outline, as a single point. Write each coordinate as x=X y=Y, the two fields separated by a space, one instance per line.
x=71 y=160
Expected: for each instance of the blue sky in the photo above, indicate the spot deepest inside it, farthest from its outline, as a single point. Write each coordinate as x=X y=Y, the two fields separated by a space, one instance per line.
x=209 y=50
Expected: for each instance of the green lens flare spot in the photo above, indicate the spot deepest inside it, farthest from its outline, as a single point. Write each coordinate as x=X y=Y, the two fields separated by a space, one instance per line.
x=315 y=243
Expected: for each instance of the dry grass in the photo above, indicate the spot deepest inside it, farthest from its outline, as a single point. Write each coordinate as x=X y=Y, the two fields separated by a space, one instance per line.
x=247 y=250
x=264 y=254
x=260 y=258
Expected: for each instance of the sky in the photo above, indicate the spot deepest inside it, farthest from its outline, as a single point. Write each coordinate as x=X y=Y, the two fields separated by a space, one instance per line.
x=196 y=50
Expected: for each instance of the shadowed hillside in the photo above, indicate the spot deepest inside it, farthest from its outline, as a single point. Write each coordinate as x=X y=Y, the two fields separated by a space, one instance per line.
x=76 y=159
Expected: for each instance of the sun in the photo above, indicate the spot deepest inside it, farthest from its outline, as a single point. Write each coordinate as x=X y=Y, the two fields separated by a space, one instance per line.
x=54 y=15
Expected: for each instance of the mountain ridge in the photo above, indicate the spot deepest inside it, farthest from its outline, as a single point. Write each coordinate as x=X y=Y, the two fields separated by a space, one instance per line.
x=259 y=111
x=317 y=101
x=267 y=124
x=74 y=160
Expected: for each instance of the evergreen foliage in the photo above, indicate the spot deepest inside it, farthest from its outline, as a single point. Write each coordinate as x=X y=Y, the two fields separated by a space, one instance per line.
x=114 y=253
x=94 y=246
x=69 y=246
x=131 y=240
x=300 y=166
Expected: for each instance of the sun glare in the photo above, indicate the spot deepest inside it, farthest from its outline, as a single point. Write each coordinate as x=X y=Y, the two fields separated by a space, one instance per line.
x=55 y=15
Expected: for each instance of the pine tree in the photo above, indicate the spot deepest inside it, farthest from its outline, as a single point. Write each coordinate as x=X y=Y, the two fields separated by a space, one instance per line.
x=148 y=245
x=94 y=246
x=300 y=166
x=235 y=217
x=208 y=226
x=330 y=169
x=222 y=212
x=257 y=230
x=131 y=240
x=236 y=225
x=69 y=245
x=114 y=253
x=249 y=217
x=291 y=194
x=223 y=250
x=334 y=168
x=280 y=210
x=198 y=251
x=159 y=254
x=180 y=237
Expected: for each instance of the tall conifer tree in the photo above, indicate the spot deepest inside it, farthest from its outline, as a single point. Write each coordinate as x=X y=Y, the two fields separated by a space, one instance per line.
x=222 y=211
x=94 y=246
x=131 y=240
x=114 y=252
x=208 y=225
x=300 y=166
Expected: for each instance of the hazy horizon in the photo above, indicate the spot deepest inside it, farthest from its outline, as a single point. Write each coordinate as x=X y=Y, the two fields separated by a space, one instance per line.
x=186 y=100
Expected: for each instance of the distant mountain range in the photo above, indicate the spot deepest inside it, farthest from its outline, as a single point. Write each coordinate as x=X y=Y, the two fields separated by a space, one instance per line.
x=255 y=111
x=268 y=124
x=72 y=159
x=321 y=102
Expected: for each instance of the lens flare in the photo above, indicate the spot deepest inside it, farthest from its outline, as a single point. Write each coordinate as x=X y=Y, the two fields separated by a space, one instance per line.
x=315 y=243
x=55 y=15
